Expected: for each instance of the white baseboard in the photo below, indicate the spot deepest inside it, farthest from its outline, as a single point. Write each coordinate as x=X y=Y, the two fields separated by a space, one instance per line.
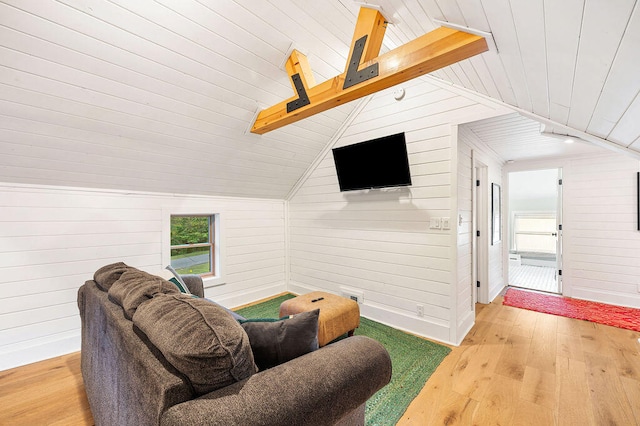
x=297 y=288
x=464 y=327
x=414 y=325
x=28 y=353
x=627 y=300
x=411 y=324
x=495 y=292
x=536 y=262
x=242 y=298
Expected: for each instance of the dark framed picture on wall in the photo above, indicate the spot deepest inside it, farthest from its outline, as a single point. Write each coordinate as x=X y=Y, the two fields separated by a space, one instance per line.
x=496 y=218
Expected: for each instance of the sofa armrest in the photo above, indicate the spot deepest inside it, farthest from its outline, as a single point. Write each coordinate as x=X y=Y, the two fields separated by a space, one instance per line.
x=194 y=284
x=318 y=388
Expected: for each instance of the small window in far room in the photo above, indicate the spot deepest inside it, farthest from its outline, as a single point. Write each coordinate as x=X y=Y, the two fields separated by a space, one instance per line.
x=192 y=244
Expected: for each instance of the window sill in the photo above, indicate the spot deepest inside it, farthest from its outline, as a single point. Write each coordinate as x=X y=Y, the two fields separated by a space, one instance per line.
x=209 y=282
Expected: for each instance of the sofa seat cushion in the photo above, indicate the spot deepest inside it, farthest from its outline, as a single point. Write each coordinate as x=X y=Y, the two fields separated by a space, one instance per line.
x=109 y=274
x=135 y=287
x=199 y=338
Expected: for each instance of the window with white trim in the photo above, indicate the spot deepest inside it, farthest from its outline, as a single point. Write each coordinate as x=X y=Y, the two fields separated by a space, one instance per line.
x=535 y=232
x=193 y=248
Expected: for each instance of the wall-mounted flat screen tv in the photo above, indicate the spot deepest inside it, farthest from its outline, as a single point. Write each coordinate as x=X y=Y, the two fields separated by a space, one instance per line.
x=377 y=163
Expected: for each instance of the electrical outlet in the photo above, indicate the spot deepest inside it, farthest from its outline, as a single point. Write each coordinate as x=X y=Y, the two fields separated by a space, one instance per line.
x=420 y=310
x=352 y=294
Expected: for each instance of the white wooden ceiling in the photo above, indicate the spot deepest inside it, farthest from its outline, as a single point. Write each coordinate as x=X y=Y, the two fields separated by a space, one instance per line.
x=574 y=62
x=513 y=137
x=157 y=95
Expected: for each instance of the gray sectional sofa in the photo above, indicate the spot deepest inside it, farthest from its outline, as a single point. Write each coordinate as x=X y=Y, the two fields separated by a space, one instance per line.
x=152 y=355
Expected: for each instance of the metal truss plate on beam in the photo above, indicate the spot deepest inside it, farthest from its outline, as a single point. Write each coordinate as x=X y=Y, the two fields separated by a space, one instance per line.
x=354 y=76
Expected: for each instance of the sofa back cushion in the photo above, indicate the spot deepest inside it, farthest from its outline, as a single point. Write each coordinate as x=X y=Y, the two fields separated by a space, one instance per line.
x=109 y=274
x=199 y=338
x=135 y=287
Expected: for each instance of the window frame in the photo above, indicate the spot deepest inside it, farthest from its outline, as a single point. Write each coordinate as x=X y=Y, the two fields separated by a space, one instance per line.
x=219 y=254
x=210 y=243
x=535 y=215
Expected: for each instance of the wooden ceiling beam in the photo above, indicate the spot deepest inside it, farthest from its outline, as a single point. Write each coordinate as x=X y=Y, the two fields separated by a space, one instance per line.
x=434 y=50
x=372 y=24
x=298 y=64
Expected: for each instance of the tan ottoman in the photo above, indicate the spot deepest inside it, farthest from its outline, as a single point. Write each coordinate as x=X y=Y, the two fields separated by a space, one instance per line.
x=338 y=315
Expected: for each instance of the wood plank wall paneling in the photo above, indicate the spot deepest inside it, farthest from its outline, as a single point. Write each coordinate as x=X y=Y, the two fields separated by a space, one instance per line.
x=601 y=241
x=469 y=147
x=466 y=187
x=53 y=239
x=496 y=257
x=379 y=241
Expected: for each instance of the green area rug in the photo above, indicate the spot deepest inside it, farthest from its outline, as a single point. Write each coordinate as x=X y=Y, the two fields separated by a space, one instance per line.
x=413 y=360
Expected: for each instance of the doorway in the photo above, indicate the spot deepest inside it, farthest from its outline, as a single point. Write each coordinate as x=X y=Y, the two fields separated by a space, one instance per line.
x=535 y=230
x=480 y=226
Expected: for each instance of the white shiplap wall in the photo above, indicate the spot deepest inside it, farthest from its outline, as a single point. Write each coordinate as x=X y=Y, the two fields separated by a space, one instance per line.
x=53 y=239
x=465 y=236
x=601 y=241
x=379 y=242
x=471 y=148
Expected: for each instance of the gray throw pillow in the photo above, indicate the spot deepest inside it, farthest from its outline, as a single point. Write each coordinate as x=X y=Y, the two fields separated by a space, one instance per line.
x=199 y=338
x=276 y=341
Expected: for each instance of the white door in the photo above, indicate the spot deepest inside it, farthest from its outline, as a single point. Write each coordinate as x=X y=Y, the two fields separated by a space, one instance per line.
x=481 y=230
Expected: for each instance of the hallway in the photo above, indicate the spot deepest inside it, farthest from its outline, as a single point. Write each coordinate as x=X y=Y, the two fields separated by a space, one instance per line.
x=542 y=278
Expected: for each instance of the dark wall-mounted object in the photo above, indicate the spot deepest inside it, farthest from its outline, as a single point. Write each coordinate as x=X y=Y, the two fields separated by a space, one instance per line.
x=376 y=163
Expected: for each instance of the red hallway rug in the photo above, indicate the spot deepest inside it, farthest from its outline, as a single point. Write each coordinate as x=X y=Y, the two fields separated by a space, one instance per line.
x=601 y=313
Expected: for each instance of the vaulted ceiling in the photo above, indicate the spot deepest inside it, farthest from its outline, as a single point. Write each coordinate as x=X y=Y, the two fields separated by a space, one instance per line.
x=159 y=95
x=513 y=137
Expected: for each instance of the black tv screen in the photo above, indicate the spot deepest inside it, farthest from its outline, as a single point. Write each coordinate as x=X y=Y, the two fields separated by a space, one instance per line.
x=377 y=163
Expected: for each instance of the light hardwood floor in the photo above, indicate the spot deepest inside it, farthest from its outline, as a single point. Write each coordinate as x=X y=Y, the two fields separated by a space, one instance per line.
x=515 y=367
x=518 y=367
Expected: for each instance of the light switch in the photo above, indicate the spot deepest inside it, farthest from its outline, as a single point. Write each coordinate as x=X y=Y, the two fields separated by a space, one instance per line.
x=446 y=223
x=434 y=223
